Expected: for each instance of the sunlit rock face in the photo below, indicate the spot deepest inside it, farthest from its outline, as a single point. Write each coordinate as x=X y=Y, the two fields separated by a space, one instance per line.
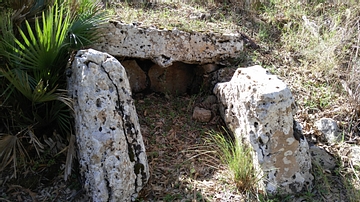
x=111 y=150
x=164 y=47
x=259 y=109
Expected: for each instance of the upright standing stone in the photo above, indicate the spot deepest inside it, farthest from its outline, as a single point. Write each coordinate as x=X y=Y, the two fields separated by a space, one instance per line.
x=259 y=109
x=112 y=155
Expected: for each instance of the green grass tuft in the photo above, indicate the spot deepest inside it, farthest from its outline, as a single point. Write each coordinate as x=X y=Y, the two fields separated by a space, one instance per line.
x=237 y=157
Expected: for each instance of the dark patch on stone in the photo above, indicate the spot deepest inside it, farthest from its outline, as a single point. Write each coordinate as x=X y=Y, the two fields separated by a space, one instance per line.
x=260 y=141
x=293 y=187
x=108 y=187
x=130 y=152
x=98 y=102
x=297 y=133
x=68 y=72
x=166 y=57
x=138 y=167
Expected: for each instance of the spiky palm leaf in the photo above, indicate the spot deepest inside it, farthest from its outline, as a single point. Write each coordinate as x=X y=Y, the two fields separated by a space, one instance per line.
x=10 y=148
x=35 y=92
x=24 y=10
x=32 y=79
x=34 y=69
x=89 y=17
x=38 y=48
x=7 y=36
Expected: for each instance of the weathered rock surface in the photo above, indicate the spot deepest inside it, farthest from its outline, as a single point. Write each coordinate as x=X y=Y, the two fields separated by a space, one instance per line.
x=111 y=151
x=174 y=79
x=222 y=75
x=329 y=129
x=209 y=100
x=321 y=157
x=354 y=155
x=259 y=109
x=201 y=114
x=208 y=68
x=136 y=76
x=167 y=46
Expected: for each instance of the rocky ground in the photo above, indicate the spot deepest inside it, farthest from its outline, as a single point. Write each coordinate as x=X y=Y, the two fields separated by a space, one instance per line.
x=183 y=166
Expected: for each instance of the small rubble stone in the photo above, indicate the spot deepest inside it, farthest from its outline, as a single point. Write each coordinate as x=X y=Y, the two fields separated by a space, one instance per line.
x=209 y=100
x=259 y=108
x=354 y=155
x=329 y=129
x=201 y=114
x=137 y=77
x=222 y=75
x=322 y=157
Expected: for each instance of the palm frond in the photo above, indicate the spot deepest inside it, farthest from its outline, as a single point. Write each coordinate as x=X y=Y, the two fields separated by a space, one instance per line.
x=69 y=157
x=35 y=92
x=88 y=18
x=26 y=9
x=6 y=35
x=39 y=147
x=39 y=47
x=9 y=146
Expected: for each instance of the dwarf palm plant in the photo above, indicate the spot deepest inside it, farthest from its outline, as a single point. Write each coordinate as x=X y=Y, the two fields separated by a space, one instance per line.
x=34 y=53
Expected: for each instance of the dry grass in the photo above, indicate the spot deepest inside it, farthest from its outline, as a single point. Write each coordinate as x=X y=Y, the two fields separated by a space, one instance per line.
x=182 y=165
x=181 y=16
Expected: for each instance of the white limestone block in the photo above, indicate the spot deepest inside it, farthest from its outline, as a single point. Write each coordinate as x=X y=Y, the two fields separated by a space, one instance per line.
x=259 y=109
x=112 y=155
x=164 y=47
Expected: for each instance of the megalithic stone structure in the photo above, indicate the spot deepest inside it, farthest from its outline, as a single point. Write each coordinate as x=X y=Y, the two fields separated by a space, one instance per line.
x=112 y=155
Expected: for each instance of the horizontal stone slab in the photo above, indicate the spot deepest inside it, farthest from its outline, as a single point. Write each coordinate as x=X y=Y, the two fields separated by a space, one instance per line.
x=167 y=46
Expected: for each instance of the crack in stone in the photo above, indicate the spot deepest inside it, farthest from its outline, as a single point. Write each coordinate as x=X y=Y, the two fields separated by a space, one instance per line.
x=297 y=133
x=138 y=167
x=108 y=187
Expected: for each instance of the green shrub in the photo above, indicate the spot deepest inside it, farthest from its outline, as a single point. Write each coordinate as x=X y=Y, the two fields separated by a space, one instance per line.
x=35 y=48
